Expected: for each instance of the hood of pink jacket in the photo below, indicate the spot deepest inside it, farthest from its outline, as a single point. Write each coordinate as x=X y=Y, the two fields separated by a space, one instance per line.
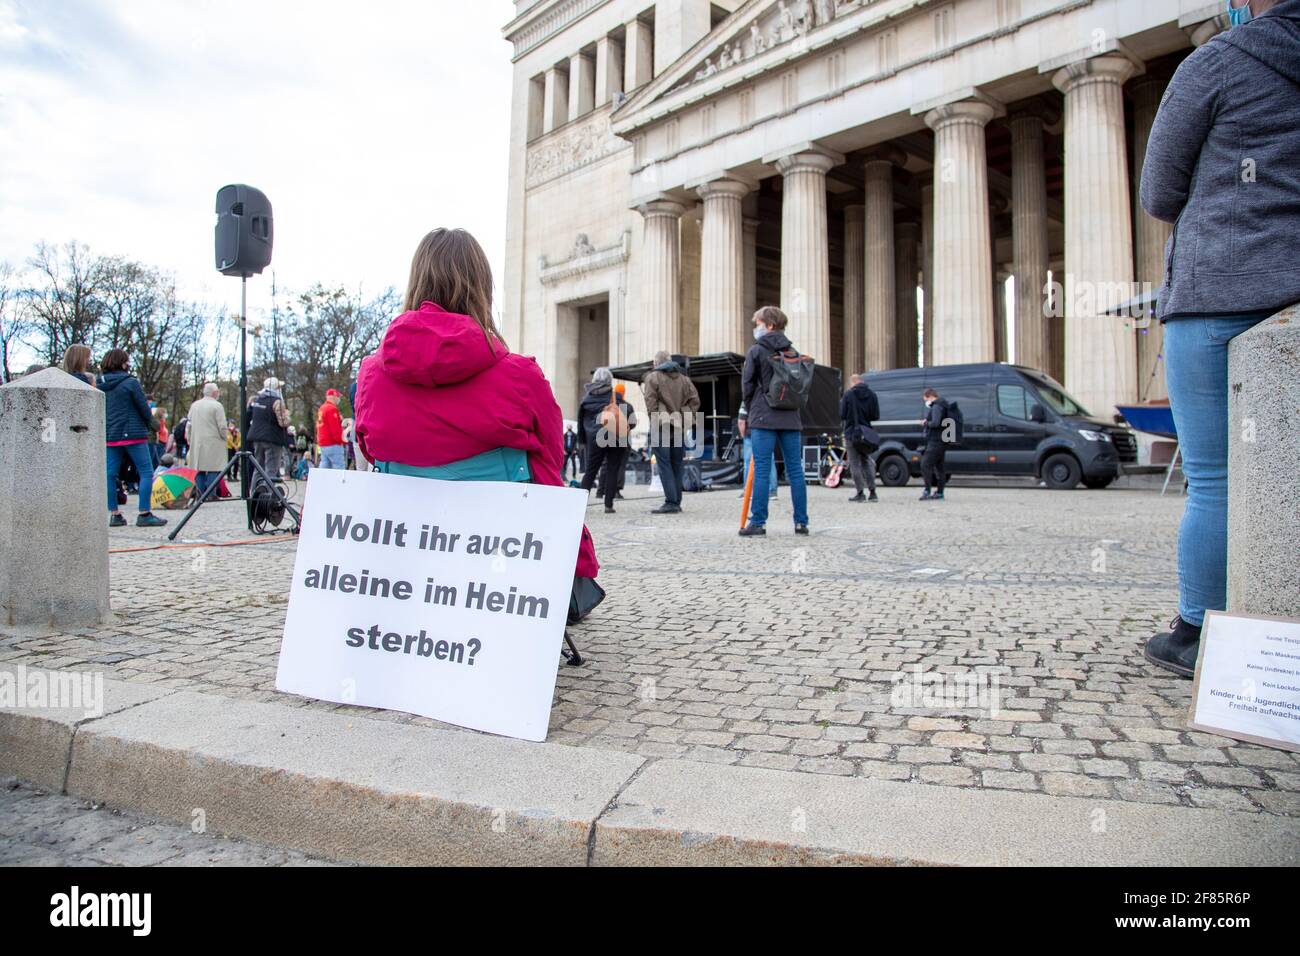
x=434 y=347
x=437 y=392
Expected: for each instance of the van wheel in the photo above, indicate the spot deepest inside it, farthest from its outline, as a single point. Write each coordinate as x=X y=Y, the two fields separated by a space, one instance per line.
x=893 y=472
x=1097 y=482
x=1061 y=472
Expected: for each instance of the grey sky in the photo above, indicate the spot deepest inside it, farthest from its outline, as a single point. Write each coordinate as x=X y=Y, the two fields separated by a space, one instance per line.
x=366 y=124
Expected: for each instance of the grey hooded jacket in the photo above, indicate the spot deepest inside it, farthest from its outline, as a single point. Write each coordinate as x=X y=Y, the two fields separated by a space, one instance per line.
x=1223 y=165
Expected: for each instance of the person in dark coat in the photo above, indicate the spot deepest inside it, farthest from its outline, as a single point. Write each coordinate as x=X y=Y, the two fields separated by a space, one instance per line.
x=605 y=446
x=266 y=427
x=1221 y=166
x=935 y=428
x=770 y=427
x=128 y=432
x=859 y=406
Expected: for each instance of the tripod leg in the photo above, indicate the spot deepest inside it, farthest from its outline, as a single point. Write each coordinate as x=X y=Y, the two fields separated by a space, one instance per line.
x=212 y=490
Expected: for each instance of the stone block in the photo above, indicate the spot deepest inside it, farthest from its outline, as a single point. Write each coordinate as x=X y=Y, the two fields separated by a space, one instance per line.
x=1263 y=481
x=53 y=502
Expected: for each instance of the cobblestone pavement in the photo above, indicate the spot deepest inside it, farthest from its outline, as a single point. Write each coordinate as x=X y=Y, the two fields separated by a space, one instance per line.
x=783 y=651
x=49 y=829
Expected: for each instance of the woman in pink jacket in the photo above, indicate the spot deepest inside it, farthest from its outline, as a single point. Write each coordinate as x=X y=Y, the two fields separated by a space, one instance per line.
x=444 y=387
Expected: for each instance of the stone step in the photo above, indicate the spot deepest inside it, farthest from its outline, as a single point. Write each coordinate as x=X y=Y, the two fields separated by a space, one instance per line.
x=359 y=788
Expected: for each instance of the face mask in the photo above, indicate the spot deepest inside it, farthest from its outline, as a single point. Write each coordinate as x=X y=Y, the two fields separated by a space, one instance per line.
x=929 y=402
x=759 y=332
x=1238 y=15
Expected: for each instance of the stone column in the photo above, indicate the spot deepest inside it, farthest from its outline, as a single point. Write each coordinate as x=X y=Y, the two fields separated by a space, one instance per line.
x=997 y=282
x=907 y=240
x=1149 y=238
x=660 y=312
x=805 y=255
x=638 y=55
x=927 y=273
x=1100 y=352
x=679 y=25
x=609 y=70
x=1029 y=240
x=1263 y=482
x=555 y=100
x=751 y=276
x=582 y=85
x=688 y=323
x=54 y=553
x=722 y=267
x=963 y=300
x=854 y=292
x=878 y=309
x=1056 y=324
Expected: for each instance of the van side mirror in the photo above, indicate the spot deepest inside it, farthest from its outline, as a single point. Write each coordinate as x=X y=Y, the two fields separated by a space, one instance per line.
x=1036 y=414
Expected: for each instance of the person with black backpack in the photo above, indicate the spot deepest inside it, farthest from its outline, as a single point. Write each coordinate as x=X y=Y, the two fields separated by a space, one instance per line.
x=942 y=426
x=858 y=409
x=774 y=386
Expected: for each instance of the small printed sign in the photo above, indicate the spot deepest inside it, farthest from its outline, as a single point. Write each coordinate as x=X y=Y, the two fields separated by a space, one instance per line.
x=1248 y=680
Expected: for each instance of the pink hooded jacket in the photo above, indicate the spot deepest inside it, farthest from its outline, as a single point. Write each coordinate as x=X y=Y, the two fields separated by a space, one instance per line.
x=436 y=392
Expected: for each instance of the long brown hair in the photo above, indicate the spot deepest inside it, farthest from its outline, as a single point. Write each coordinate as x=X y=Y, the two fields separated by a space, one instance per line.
x=76 y=360
x=450 y=269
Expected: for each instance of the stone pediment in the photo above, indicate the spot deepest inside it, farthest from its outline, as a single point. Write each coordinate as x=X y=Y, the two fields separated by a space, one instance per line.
x=761 y=30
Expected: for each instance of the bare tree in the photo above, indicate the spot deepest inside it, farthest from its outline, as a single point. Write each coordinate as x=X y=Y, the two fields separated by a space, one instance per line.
x=329 y=332
x=14 y=322
x=65 y=306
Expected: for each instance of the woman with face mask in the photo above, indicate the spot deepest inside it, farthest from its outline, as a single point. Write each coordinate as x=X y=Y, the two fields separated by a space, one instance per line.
x=1222 y=165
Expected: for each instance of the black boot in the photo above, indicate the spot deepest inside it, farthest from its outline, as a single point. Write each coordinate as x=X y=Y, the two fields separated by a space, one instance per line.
x=1177 y=649
x=858 y=497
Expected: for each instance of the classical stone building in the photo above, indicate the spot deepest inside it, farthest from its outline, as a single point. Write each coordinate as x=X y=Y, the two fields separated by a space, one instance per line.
x=879 y=168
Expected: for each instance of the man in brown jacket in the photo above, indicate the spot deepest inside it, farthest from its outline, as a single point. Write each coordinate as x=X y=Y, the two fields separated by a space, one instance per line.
x=671 y=401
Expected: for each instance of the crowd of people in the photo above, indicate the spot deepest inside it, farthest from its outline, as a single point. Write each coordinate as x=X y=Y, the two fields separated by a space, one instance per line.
x=139 y=443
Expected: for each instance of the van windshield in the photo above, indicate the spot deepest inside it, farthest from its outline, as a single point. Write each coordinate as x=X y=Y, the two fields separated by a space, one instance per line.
x=1056 y=399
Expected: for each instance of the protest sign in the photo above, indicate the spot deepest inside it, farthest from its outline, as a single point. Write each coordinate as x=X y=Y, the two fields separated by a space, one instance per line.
x=441 y=598
x=1248 y=680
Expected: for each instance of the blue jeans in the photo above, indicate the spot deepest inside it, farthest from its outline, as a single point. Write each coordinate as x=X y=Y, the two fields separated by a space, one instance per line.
x=765 y=441
x=202 y=480
x=142 y=458
x=749 y=453
x=331 y=456
x=1196 y=370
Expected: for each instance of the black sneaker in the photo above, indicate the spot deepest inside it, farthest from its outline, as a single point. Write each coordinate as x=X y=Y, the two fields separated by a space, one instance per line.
x=937 y=497
x=752 y=529
x=858 y=497
x=801 y=529
x=117 y=520
x=873 y=497
x=609 y=510
x=926 y=496
x=149 y=520
x=666 y=510
x=1177 y=649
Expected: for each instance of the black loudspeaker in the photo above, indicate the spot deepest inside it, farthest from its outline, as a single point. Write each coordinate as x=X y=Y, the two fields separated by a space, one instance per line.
x=244 y=232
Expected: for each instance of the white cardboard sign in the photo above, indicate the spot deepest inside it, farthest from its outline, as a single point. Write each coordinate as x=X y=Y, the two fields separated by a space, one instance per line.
x=446 y=599
x=1248 y=680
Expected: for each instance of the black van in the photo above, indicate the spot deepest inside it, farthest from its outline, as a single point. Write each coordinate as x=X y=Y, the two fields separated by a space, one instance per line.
x=1016 y=421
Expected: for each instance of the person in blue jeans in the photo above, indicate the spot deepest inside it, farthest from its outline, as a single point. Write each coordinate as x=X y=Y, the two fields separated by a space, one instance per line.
x=1220 y=165
x=128 y=432
x=771 y=428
